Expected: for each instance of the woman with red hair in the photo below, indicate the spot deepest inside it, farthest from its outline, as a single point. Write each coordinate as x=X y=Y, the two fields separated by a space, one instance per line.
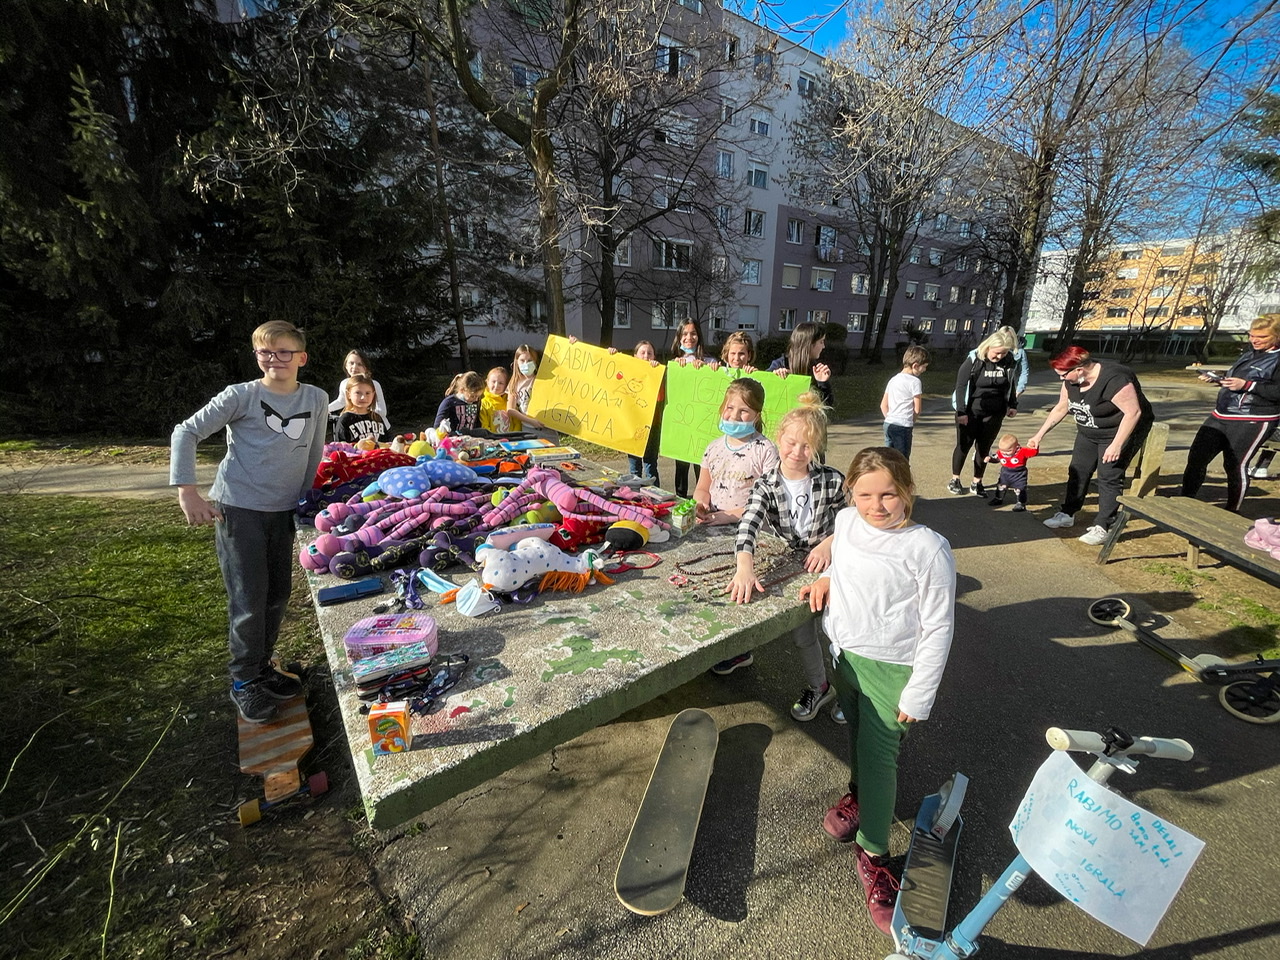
x=1112 y=419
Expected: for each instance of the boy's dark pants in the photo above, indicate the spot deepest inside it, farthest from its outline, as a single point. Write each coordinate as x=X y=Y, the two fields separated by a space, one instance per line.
x=255 y=552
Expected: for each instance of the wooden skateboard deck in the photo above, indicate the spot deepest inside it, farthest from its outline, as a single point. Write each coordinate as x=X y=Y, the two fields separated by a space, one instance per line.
x=655 y=862
x=272 y=750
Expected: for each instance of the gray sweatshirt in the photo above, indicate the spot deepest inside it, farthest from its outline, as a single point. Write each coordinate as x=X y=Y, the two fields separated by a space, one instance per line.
x=274 y=444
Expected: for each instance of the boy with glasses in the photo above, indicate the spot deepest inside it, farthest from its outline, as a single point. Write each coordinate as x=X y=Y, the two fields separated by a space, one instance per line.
x=275 y=439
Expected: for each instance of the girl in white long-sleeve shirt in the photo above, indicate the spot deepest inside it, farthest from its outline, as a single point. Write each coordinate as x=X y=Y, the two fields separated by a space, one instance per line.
x=889 y=597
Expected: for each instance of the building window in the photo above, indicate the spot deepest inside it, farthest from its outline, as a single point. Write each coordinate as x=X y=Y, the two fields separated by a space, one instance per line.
x=806 y=86
x=621 y=314
x=720 y=267
x=762 y=60
x=787 y=318
x=822 y=279
x=1160 y=291
x=759 y=124
x=1204 y=268
x=955 y=295
x=727 y=110
x=670 y=58
x=941 y=222
x=676 y=129
x=622 y=254
x=1131 y=255
x=1156 y=312
x=935 y=257
x=1122 y=293
x=795 y=230
x=472 y=301
x=790 y=276
x=757 y=176
x=820 y=317
x=730 y=49
x=911 y=287
x=857 y=322
x=949 y=325
x=931 y=292
x=669 y=313
x=694 y=5
x=724 y=164
x=858 y=284
x=968 y=325
x=914 y=256
x=966 y=229
x=905 y=324
x=1127 y=273
x=925 y=325
x=751 y=272
x=1113 y=312
x=962 y=263
x=753 y=223
x=1191 y=312
x=1172 y=251
x=748 y=317
x=1165 y=273
x=724 y=216
x=718 y=314
x=973 y=296
x=672 y=254
x=524 y=77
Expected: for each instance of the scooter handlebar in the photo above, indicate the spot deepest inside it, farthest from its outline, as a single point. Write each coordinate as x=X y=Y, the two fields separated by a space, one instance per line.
x=1086 y=741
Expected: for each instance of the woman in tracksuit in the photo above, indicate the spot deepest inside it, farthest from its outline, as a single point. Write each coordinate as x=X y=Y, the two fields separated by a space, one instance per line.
x=1244 y=417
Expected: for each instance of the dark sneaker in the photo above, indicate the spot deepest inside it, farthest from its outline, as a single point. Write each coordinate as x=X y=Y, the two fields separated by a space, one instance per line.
x=1019 y=508
x=280 y=685
x=253 y=702
x=997 y=500
x=954 y=487
x=811 y=701
x=726 y=667
x=841 y=821
x=881 y=887
x=837 y=713
x=977 y=489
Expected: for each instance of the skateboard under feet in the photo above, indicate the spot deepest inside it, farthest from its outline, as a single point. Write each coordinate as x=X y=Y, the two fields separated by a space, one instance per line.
x=272 y=750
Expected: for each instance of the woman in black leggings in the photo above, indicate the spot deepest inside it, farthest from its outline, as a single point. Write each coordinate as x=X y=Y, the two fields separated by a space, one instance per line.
x=986 y=392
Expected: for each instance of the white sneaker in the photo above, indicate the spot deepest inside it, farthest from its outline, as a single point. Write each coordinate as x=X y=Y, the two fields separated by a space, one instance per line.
x=1060 y=520
x=1094 y=536
x=1258 y=473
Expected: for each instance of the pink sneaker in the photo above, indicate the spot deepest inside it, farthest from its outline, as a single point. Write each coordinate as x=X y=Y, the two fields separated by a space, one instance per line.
x=881 y=887
x=841 y=821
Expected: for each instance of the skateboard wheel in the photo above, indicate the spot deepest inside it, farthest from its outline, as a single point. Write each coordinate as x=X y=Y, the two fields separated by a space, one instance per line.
x=318 y=783
x=1108 y=611
x=1254 y=701
x=250 y=813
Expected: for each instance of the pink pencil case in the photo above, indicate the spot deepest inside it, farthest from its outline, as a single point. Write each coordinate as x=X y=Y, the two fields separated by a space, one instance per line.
x=375 y=635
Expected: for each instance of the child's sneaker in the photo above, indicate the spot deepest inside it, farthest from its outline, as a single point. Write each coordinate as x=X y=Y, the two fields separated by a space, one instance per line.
x=811 y=701
x=837 y=713
x=1094 y=536
x=280 y=685
x=1019 y=507
x=726 y=667
x=841 y=821
x=997 y=500
x=253 y=701
x=954 y=487
x=1060 y=520
x=881 y=887
x=977 y=489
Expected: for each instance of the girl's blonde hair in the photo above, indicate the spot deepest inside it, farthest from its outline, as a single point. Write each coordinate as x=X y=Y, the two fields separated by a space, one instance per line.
x=873 y=459
x=360 y=380
x=515 y=359
x=811 y=419
x=735 y=338
x=470 y=382
x=493 y=370
x=750 y=392
x=800 y=346
x=1001 y=338
x=635 y=351
x=676 y=352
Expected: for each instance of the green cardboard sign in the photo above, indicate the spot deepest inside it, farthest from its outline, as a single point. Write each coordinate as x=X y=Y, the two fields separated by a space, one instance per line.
x=692 y=416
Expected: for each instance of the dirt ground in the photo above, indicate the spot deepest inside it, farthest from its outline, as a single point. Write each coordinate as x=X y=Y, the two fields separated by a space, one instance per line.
x=303 y=885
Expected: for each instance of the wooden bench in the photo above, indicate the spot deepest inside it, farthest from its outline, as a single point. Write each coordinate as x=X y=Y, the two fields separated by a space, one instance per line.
x=1203 y=526
x=1147 y=462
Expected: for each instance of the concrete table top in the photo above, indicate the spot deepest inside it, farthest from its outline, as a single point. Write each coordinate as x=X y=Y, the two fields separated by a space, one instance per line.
x=545 y=672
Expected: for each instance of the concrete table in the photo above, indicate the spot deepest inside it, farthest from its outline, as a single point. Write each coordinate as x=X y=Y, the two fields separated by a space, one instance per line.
x=544 y=672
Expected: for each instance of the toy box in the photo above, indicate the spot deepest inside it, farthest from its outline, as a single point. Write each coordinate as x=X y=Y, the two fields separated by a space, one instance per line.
x=374 y=635
x=389 y=729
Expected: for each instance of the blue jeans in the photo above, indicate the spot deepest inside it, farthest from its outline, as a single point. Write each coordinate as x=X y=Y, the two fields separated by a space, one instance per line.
x=255 y=552
x=898 y=437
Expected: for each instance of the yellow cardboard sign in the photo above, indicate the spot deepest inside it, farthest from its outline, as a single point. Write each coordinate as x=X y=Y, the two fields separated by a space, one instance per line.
x=592 y=394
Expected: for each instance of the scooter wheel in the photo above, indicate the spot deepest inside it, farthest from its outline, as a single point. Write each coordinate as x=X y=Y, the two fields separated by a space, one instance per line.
x=1254 y=701
x=1109 y=611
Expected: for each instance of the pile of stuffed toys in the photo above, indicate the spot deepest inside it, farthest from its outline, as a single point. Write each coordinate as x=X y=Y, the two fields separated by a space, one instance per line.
x=476 y=505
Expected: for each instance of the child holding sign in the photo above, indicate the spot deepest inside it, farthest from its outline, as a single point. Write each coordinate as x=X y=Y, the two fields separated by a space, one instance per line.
x=686 y=349
x=524 y=367
x=732 y=462
x=803 y=350
x=799 y=499
x=889 y=599
x=738 y=353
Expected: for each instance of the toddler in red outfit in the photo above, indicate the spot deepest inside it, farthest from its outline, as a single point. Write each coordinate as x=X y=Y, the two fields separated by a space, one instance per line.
x=1012 y=457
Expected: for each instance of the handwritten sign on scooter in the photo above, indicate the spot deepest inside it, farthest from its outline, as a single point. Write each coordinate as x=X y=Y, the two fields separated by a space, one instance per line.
x=590 y=393
x=1118 y=863
x=692 y=418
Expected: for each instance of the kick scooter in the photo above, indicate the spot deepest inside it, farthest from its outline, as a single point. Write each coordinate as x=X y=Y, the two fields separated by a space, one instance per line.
x=919 y=917
x=1115 y=612
x=1249 y=691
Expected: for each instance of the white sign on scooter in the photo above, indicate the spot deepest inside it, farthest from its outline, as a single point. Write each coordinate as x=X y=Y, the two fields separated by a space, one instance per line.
x=1117 y=862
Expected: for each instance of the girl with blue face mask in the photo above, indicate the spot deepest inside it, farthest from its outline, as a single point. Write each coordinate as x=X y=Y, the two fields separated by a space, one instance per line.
x=524 y=367
x=733 y=461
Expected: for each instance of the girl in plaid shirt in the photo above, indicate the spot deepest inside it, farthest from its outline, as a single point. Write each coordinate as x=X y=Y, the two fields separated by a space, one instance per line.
x=799 y=498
